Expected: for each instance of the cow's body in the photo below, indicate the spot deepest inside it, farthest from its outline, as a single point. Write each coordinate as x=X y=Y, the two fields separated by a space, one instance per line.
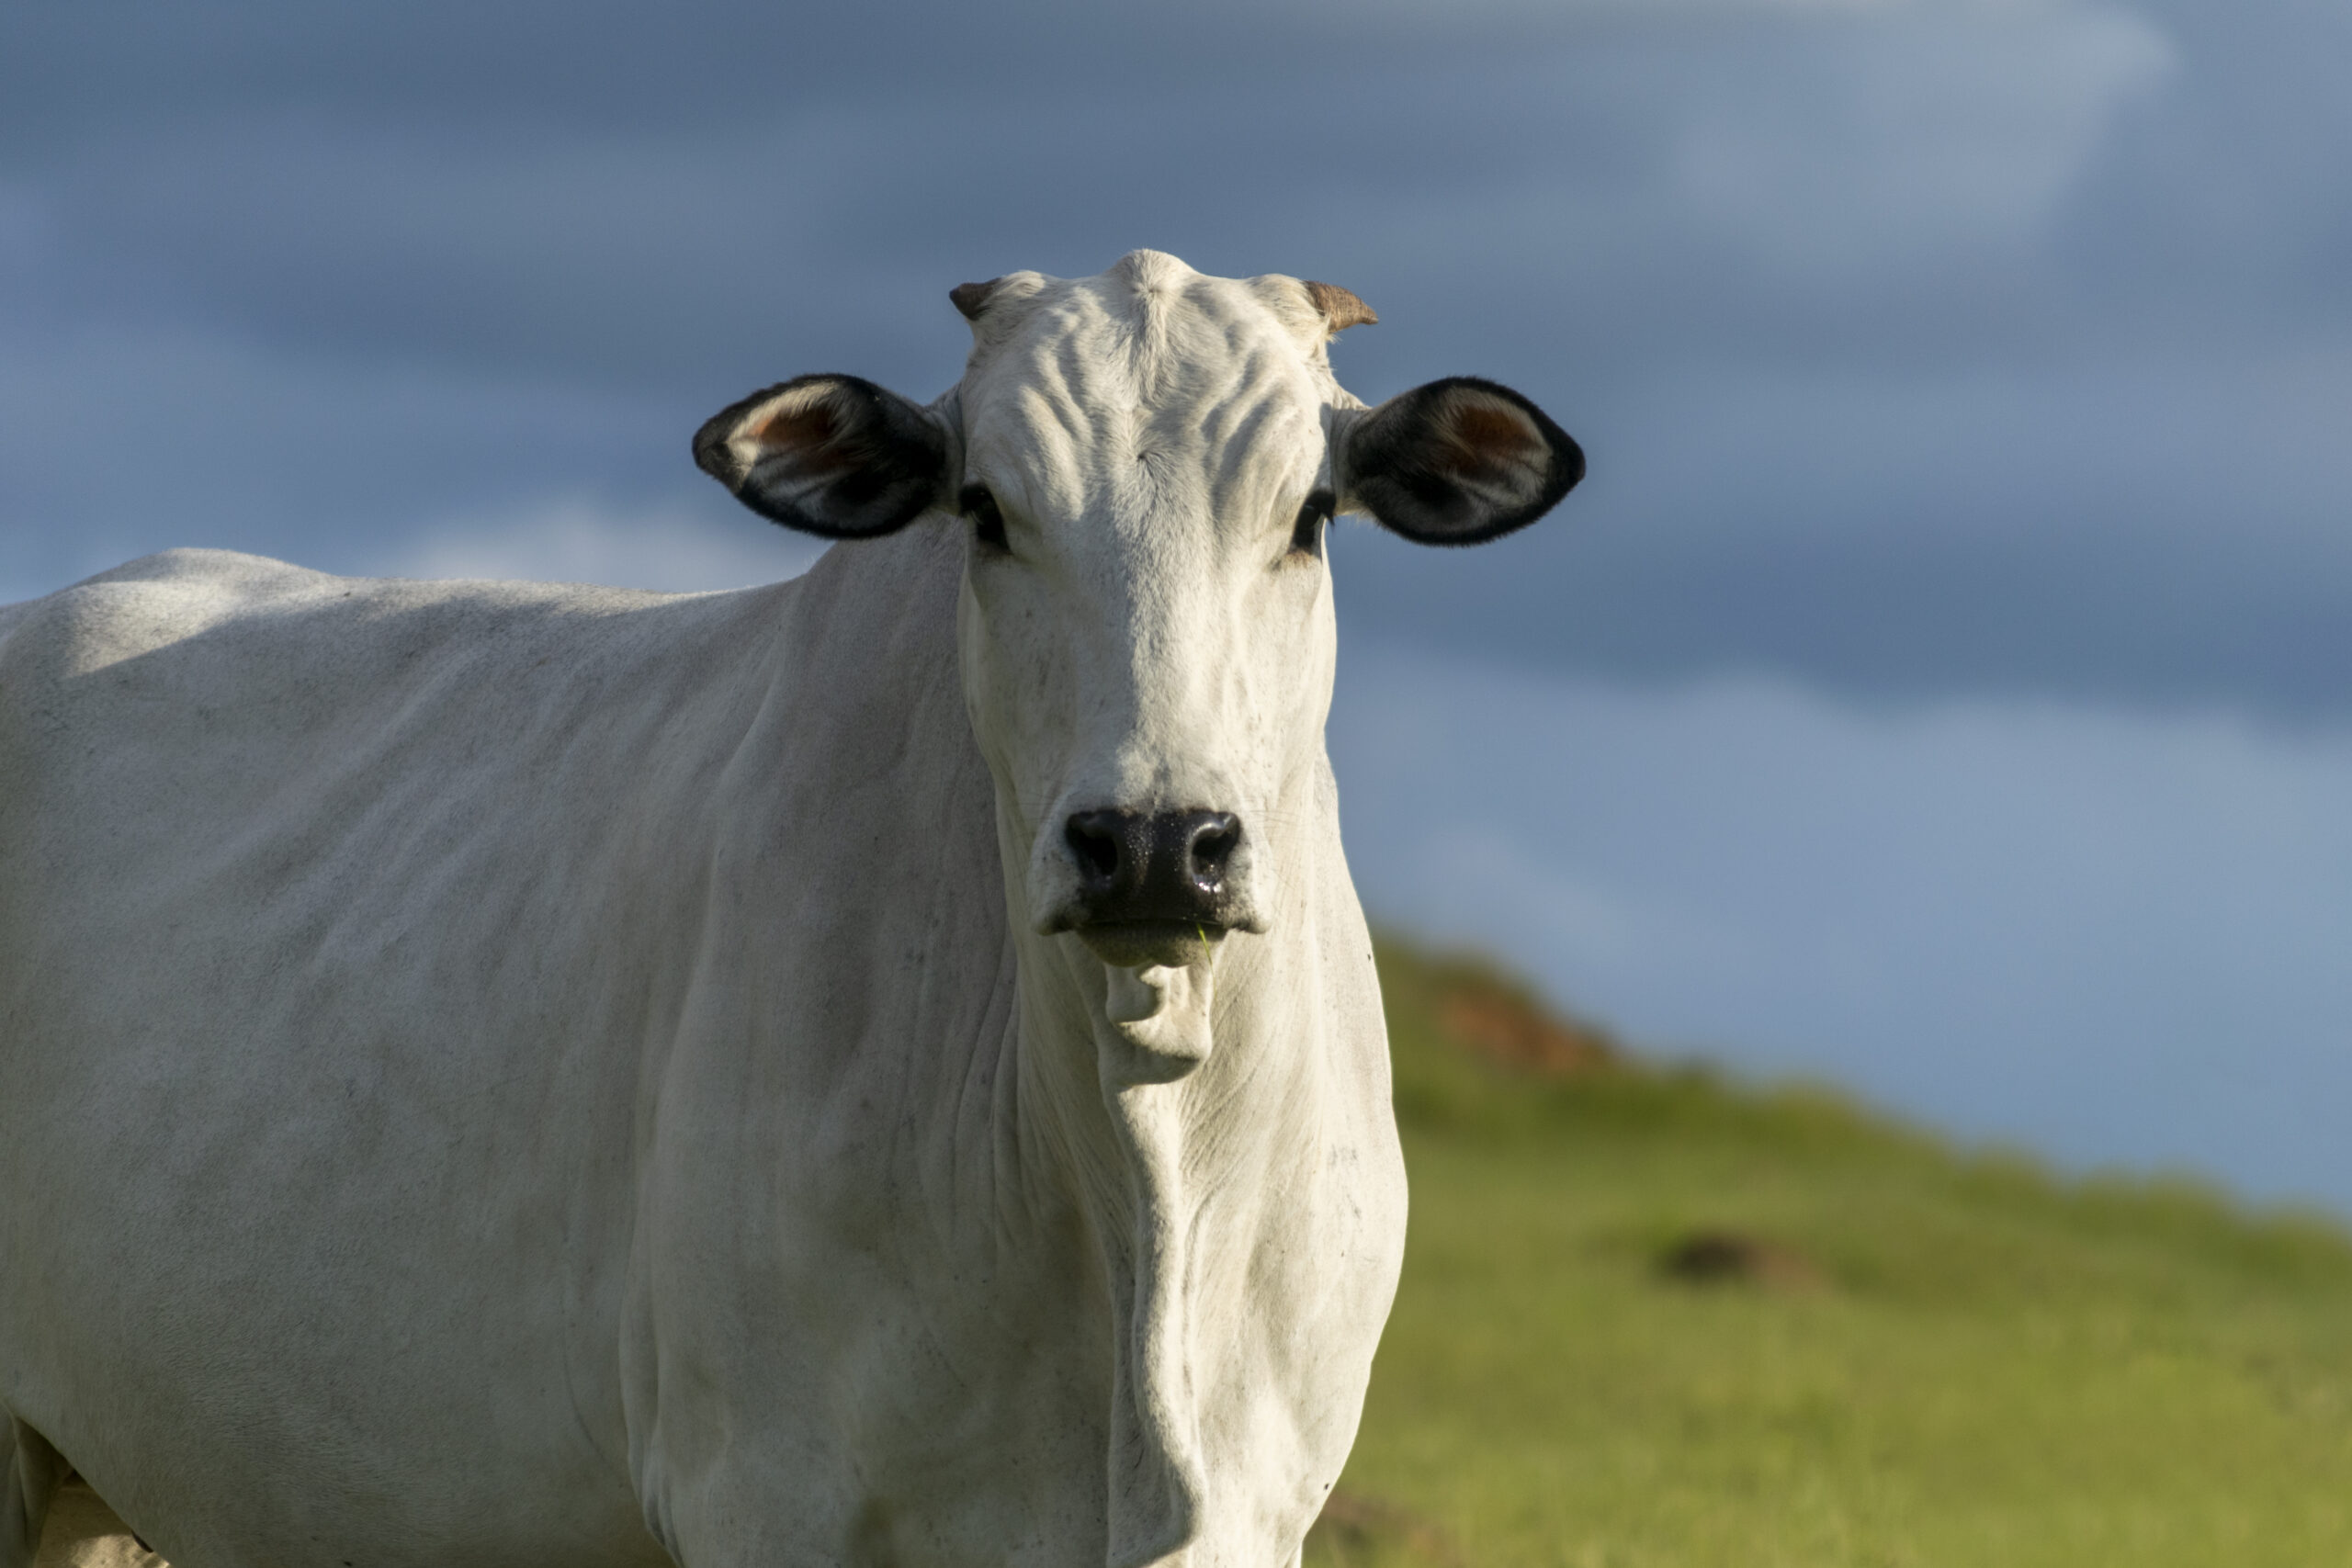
x=623 y=1098
x=496 y=1075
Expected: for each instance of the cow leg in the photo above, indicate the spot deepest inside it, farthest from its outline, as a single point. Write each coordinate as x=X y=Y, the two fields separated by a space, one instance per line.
x=30 y=1471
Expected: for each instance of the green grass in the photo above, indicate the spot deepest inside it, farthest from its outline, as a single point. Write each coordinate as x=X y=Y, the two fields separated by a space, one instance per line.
x=1955 y=1359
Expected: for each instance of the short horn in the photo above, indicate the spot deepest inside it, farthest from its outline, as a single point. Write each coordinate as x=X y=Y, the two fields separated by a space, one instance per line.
x=1339 y=308
x=971 y=298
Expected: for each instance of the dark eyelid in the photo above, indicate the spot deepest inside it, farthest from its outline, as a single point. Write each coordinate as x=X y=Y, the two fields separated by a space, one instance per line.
x=988 y=520
x=1314 y=516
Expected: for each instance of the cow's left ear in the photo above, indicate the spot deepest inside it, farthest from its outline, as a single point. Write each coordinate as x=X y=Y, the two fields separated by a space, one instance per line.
x=1455 y=462
x=828 y=455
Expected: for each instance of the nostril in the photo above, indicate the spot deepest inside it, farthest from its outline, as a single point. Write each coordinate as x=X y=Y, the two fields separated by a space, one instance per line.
x=1094 y=837
x=1216 y=835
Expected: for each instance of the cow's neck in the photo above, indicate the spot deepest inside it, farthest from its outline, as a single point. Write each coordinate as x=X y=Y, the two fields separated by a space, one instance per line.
x=1180 y=1123
x=1198 y=1196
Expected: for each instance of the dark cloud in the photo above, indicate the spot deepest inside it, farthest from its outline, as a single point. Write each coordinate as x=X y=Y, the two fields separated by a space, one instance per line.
x=1920 y=348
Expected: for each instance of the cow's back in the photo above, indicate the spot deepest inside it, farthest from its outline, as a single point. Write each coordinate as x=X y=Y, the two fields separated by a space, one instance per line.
x=319 y=1051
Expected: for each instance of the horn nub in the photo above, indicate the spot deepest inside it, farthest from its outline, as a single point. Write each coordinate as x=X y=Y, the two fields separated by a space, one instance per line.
x=1339 y=308
x=971 y=298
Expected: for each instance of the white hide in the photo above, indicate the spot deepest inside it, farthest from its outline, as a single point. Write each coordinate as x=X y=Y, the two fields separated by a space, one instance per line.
x=1149 y=640
x=495 y=1072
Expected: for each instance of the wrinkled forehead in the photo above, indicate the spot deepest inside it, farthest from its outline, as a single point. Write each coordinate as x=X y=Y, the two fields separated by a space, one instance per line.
x=1149 y=362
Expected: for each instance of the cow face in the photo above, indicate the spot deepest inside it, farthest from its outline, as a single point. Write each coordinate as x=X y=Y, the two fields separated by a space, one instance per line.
x=1145 y=464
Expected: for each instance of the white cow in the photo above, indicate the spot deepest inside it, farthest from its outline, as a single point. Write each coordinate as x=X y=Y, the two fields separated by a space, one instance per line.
x=883 y=1069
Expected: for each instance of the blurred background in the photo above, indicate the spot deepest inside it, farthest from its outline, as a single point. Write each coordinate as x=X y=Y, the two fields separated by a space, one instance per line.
x=1942 y=685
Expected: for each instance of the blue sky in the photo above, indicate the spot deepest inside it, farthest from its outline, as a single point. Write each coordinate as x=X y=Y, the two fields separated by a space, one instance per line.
x=1940 y=684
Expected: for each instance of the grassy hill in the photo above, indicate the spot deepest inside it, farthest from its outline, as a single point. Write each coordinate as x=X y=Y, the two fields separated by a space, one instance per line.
x=1652 y=1317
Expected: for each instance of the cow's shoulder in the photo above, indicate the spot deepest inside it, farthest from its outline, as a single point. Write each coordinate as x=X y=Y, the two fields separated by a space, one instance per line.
x=140 y=607
x=194 y=615
x=199 y=670
x=227 y=570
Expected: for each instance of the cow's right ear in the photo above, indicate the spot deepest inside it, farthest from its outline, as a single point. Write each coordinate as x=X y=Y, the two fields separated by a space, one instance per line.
x=832 y=456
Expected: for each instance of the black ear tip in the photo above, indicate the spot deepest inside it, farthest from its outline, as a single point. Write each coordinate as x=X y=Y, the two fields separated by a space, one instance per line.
x=713 y=456
x=1569 y=456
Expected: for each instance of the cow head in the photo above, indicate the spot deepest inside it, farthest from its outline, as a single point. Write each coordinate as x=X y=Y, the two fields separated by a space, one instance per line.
x=1145 y=465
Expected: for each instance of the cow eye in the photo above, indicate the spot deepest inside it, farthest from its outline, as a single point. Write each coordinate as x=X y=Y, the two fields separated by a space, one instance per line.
x=988 y=523
x=1306 y=534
